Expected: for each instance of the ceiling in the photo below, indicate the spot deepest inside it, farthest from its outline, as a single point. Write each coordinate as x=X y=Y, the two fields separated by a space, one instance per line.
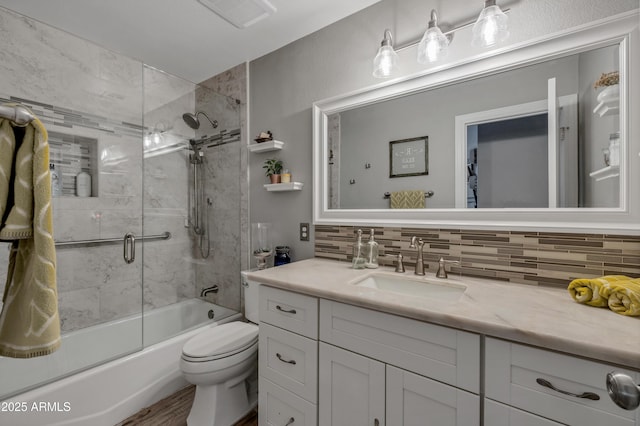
x=183 y=37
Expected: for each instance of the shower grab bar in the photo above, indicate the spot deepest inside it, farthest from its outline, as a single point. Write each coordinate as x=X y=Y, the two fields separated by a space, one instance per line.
x=163 y=236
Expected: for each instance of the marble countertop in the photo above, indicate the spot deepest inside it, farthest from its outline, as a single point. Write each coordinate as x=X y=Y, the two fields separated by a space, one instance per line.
x=540 y=316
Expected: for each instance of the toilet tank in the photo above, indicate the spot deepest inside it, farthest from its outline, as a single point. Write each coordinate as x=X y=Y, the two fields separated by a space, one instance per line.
x=251 y=297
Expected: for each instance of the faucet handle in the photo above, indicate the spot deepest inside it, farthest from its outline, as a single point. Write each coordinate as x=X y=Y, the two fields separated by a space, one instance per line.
x=442 y=271
x=399 y=263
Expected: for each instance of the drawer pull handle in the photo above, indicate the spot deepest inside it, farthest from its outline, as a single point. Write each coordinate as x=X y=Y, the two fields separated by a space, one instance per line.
x=584 y=395
x=290 y=422
x=376 y=422
x=288 y=361
x=286 y=311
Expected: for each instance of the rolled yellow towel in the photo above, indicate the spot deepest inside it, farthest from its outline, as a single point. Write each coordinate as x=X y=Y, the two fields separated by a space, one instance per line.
x=594 y=291
x=624 y=297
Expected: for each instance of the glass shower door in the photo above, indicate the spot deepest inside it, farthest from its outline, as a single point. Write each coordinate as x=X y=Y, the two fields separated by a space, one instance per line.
x=95 y=140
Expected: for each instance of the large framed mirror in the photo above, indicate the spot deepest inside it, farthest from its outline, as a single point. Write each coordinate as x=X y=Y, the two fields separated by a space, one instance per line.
x=537 y=136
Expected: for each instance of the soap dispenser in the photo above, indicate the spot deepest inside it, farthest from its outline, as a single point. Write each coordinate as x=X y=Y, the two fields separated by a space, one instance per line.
x=358 y=252
x=372 y=252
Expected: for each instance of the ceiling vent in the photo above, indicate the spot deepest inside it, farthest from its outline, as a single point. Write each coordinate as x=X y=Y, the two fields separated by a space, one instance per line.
x=240 y=13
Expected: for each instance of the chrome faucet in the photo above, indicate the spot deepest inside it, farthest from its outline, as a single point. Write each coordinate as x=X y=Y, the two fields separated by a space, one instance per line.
x=213 y=289
x=419 y=259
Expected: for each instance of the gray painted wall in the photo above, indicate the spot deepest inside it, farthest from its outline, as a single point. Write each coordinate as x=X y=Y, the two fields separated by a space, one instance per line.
x=337 y=59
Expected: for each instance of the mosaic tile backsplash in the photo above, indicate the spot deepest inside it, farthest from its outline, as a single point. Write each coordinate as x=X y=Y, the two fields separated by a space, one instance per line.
x=535 y=258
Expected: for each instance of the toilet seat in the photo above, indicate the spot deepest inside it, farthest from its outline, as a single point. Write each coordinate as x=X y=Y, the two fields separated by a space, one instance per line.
x=221 y=341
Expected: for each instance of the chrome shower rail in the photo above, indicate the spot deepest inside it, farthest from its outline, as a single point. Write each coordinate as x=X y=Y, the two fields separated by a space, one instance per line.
x=163 y=236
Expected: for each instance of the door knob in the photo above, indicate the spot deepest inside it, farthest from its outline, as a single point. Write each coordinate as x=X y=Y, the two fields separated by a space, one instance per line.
x=623 y=390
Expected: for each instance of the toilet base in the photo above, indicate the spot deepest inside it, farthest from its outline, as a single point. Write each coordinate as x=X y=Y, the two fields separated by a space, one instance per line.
x=222 y=404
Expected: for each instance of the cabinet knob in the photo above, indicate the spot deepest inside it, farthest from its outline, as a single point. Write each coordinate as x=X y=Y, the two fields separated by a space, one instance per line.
x=623 y=390
x=290 y=422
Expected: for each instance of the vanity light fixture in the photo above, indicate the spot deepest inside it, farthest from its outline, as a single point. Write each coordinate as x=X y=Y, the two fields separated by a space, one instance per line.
x=488 y=30
x=434 y=43
x=386 y=61
x=491 y=26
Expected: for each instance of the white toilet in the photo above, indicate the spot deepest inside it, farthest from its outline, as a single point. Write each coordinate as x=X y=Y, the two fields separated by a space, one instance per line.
x=219 y=361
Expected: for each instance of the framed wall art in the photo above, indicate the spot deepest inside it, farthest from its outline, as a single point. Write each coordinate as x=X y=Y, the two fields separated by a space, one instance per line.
x=409 y=157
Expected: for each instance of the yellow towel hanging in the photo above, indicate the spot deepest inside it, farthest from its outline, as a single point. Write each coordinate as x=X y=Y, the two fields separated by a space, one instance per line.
x=407 y=200
x=29 y=321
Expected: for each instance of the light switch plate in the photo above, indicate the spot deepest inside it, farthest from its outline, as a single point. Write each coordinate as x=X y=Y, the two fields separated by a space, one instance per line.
x=304 y=232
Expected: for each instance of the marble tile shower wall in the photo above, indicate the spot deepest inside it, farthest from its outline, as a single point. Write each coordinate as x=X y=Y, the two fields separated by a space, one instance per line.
x=80 y=89
x=535 y=258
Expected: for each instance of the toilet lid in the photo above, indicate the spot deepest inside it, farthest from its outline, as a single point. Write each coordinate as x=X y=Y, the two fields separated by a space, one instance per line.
x=220 y=340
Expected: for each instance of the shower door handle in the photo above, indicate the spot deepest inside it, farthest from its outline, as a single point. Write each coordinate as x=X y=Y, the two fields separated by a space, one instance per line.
x=129 y=248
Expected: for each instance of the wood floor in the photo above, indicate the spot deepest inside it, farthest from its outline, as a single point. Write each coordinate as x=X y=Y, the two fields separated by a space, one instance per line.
x=173 y=411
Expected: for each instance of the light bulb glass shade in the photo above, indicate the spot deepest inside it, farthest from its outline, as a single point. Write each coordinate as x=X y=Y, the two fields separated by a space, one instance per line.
x=433 y=46
x=157 y=138
x=491 y=27
x=386 y=62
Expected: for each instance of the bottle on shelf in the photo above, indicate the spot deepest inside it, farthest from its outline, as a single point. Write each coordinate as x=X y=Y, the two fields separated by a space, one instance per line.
x=56 y=184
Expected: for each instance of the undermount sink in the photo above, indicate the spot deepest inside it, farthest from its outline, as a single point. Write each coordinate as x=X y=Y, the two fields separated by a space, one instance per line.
x=412 y=286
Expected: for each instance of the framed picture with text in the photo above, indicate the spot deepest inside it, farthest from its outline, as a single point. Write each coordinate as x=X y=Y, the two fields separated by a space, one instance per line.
x=409 y=157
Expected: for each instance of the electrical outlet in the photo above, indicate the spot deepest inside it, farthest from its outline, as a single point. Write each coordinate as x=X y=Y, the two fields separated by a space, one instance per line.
x=304 y=232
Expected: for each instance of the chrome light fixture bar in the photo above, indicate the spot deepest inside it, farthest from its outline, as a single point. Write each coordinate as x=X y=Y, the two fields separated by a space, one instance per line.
x=489 y=29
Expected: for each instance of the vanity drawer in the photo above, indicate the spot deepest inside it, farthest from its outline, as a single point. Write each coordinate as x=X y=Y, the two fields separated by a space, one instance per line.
x=513 y=373
x=289 y=360
x=444 y=354
x=496 y=414
x=278 y=407
x=291 y=311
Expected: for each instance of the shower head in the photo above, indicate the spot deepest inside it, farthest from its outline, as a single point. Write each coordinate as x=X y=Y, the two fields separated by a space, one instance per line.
x=193 y=122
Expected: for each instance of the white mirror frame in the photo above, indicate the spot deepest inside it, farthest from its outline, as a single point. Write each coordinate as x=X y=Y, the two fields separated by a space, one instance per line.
x=622 y=29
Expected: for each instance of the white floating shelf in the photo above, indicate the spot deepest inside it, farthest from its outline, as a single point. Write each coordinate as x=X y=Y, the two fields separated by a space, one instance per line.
x=266 y=146
x=608 y=101
x=605 y=173
x=603 y=109
x=289 y=186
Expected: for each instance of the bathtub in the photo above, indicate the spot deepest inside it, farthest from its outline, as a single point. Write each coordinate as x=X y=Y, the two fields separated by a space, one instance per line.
x=108 y=393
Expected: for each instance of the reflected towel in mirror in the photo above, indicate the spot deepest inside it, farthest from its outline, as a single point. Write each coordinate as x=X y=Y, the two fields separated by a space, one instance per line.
x=407 y=200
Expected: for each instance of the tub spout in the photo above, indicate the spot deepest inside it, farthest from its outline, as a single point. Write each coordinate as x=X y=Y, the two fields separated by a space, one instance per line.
x=213 y=289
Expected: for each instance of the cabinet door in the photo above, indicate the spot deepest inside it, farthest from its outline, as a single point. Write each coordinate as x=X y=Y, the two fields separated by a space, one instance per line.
x=414 y=400
x=351 y=391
